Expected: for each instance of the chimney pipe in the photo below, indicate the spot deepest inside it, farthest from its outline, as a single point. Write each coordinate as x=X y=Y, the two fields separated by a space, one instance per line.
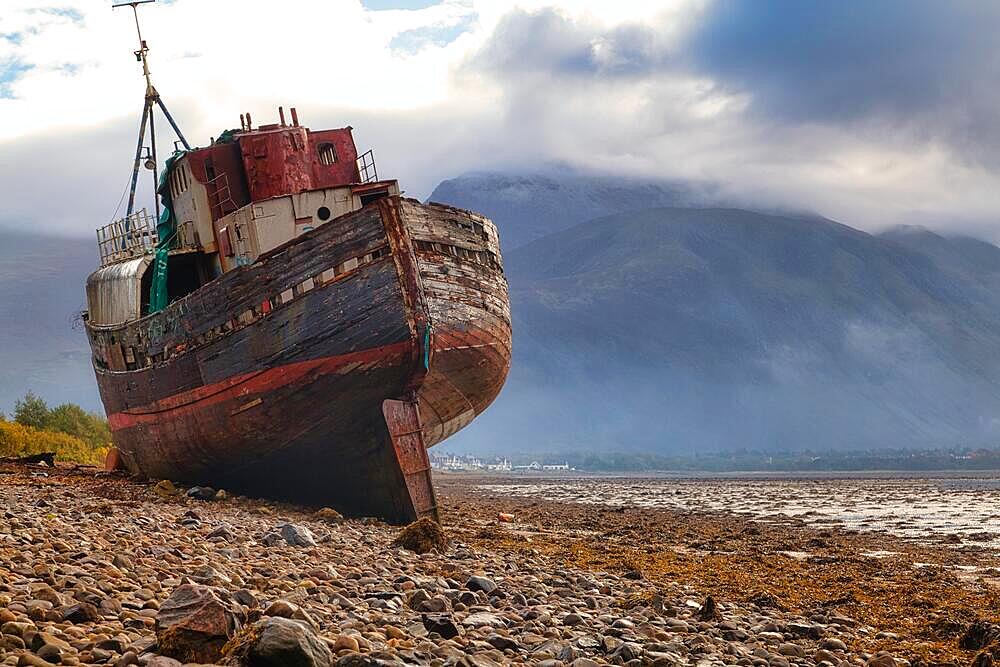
x=243 y=123
x=295 y=117
x=249 y=127
x=281 y=115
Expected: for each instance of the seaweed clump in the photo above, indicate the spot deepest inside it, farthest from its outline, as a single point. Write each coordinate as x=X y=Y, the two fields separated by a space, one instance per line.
x=422 y=536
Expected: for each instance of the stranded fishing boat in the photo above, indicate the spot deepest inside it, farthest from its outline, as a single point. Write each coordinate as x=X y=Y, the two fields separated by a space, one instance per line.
x=290 y=325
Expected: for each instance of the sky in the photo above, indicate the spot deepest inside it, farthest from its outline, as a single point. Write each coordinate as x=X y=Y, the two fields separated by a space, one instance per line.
x=871 y=113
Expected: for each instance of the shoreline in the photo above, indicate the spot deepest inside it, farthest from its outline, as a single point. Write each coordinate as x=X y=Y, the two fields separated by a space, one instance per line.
x=906 y=587
x=562 y=584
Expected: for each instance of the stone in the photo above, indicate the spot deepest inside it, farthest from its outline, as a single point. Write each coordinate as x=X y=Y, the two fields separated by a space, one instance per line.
x=978 y=635
x=329 y=515
x=709 y=610
x=881 y=659
x=128 y=658
x=824 y=655
x=195 y=622
x=803 y=630
x=50 y=652
x=477 y=583
x=201 y=493
x=482 y=618
x=442 y=624
x=222 y=532
x=279 y=642
x=791 y=649
x=502 y=643
x=296 y=535
x=29 y=660
x=345 y=642
x=83 y=612
x=272 y=539
x=417 y=597
x=833 y=644
x=162 y=661
x=166 y=489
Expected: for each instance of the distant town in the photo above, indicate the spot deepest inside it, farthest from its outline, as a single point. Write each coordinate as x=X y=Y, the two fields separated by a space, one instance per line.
x=465 y=462
x=889 y=459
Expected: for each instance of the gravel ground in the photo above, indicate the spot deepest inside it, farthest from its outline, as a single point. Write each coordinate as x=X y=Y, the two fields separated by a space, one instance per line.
x=100 y=570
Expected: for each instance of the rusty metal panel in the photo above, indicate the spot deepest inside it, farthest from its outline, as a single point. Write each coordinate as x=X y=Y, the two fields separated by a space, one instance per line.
x=406 y=433
x=276 y=162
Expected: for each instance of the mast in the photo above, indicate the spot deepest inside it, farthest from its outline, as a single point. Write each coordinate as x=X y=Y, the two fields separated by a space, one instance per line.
x=152 y=98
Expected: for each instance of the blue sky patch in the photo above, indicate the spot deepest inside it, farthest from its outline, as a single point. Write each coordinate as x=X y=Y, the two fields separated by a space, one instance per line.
x=10 y=71
x=398 y=4
x=411 y=41
x=68 y=12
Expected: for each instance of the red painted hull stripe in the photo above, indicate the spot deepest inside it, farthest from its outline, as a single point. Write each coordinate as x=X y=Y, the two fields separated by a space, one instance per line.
x=237 y=386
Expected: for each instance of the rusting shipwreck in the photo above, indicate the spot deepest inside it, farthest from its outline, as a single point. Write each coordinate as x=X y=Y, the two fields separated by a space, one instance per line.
x=292 y=326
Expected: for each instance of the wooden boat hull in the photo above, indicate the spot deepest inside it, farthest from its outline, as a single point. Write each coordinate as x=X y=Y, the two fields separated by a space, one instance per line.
x=322 y=372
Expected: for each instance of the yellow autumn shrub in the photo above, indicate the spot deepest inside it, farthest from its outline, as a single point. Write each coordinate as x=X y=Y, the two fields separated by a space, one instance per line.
x=20 y=440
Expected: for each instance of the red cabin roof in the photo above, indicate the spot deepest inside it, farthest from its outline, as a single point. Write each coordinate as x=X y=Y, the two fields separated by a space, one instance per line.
x=274 y=161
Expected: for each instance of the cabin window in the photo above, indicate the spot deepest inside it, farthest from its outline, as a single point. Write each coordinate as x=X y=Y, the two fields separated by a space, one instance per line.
x=370 y=197
x=327 y=153
x=323 y=213
x=225 y=242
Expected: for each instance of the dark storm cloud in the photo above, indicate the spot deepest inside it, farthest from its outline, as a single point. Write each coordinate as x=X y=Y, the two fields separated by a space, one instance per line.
x=929 y=65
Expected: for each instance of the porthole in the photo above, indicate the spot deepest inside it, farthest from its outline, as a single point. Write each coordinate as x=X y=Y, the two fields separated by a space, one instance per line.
x=323 y=213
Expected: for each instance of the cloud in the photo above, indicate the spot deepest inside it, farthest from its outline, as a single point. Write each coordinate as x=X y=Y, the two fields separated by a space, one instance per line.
x=927 y=69
x=871 y=113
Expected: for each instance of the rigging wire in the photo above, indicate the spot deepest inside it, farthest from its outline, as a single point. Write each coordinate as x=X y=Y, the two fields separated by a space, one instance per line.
x=114 y=216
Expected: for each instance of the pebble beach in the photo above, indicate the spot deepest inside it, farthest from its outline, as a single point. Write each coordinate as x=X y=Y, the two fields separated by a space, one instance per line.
x=97 y=569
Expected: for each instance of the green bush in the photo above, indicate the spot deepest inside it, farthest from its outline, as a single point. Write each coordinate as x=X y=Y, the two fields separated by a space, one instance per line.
x=20 y=440
x=32 y=411
x=68 y=430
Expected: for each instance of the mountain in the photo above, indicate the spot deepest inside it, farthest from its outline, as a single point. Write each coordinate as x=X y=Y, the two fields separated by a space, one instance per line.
x=678 y=330
x=42 y=345
x=667 y=329
x=530 y=206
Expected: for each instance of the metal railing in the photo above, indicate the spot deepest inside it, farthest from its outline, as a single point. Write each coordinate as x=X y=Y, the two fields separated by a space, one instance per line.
x=366 y=167
x=132 y=236
x=220 y=197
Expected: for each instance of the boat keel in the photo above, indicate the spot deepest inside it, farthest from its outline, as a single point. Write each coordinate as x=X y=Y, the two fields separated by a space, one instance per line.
x=406 y=435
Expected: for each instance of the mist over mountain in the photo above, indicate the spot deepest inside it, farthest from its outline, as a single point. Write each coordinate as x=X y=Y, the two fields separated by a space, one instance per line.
x=664 y=328
x=527 y=206
x=685 y=330
x=43 y=347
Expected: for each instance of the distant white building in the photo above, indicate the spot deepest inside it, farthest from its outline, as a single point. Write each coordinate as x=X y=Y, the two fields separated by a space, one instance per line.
x=501 y=465
x=556 y=466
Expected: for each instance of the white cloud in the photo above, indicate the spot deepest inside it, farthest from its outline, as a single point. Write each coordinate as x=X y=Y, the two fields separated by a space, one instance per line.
x=458 y=85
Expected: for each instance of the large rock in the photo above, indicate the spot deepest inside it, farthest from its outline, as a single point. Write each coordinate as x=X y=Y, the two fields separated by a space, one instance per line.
x=195 y=622
x=278 y=642
x=296 y=535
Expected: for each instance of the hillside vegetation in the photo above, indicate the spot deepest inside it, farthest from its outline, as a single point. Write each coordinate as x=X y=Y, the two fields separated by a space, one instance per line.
x=68 y=430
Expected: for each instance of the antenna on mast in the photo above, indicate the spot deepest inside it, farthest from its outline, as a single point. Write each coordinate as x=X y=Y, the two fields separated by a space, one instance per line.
x=152 y=97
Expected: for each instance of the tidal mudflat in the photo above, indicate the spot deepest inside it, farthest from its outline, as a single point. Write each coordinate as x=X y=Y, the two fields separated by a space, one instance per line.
x=937 y=507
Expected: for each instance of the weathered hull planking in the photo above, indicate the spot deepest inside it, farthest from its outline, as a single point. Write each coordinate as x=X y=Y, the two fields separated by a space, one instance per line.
x=323 y=371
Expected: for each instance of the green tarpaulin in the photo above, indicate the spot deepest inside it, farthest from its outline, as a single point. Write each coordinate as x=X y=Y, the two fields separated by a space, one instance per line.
x=166 y=232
